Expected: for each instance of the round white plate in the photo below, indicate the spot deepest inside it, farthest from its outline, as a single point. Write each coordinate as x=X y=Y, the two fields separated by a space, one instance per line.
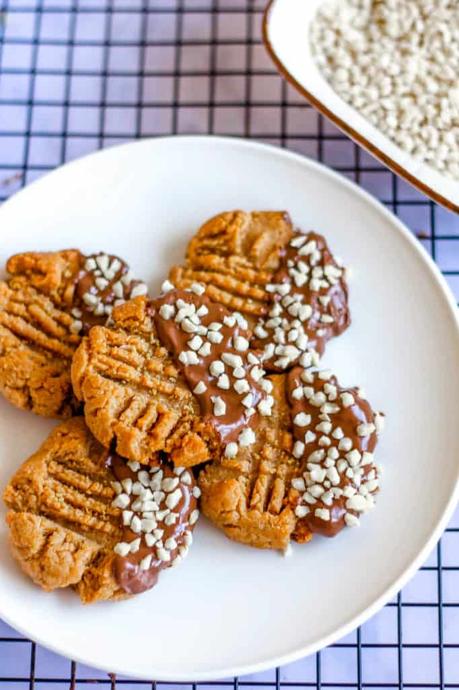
x=230 y=609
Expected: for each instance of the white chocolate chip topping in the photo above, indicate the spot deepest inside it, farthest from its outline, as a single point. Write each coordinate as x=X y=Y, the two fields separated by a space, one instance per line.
x=103 y=282
x=226 y=376
x=158 y=510
x=335 y=433
x=308 y=305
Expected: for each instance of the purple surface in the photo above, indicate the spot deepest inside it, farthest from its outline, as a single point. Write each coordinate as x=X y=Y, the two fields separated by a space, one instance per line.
x=77 y=76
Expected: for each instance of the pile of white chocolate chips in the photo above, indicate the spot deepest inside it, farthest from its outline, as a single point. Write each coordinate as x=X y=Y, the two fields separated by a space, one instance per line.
x=397 y=62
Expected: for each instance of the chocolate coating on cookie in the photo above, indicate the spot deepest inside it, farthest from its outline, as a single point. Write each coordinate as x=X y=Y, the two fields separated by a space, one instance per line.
x=309 y=305
x=104 y=282
x=336 y=433
x=211 y=345
x=159 y=511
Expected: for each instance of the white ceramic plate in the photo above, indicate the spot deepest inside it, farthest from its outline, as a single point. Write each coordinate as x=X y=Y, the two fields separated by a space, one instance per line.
x=286 y=36
x=231 y=609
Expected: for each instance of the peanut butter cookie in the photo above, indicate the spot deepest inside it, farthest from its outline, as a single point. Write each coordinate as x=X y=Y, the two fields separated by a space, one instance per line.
x=135 y=398
x=46 y=304
x=81 y=518
x=235 y=255
x=246 y=496
x=311 y=470
x=287 y=283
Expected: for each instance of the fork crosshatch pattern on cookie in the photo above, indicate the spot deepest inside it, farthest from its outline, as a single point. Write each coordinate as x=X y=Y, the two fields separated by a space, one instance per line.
x=79 y=518
x=48 y=301
x=247 y=496
x=235 y=255
x=135 y=398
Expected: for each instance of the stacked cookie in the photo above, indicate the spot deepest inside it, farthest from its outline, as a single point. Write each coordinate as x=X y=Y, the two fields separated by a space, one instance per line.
x=209 y=394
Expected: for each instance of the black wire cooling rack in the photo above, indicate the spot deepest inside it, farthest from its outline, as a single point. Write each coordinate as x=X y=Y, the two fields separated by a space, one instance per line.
x=78 y=75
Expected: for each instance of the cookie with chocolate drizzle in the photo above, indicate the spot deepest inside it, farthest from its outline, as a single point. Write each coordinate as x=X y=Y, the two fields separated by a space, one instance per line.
x=310 y=471
x=47 y=303
x=79 y=518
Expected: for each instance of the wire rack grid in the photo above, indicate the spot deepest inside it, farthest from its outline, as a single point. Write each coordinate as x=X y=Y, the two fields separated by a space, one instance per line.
x=78 y=75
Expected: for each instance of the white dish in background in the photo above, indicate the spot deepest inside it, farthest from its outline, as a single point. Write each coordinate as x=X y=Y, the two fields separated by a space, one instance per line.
x=230 y=609
x=286 y=36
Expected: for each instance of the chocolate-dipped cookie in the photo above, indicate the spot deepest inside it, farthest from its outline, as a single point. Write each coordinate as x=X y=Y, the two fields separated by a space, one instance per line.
x=81 y=518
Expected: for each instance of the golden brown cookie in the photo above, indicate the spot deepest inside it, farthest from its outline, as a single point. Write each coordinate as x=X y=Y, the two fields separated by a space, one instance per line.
x=246 y=496
x=80 y=518
x=235 y=255
x=287 y=283
x=62 y=524
x=46 y=304
x=135 y=398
